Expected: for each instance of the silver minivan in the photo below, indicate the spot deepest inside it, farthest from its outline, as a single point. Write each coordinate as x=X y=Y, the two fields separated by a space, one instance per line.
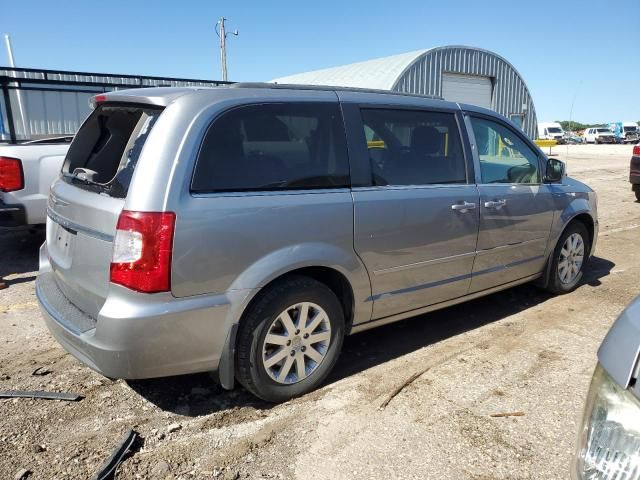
x=247 y=229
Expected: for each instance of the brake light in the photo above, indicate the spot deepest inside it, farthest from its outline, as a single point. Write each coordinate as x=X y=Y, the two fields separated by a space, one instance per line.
x=142 y=251
x=100 y=98
x=636 y=150
x=11 y=177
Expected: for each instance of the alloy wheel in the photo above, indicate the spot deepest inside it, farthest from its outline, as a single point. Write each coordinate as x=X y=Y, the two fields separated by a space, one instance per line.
x=571 y=258
x=296 y=343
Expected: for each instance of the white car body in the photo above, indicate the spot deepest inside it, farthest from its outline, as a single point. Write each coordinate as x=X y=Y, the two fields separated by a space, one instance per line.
x=599 y=135
x=41 y=164
x=550 y=131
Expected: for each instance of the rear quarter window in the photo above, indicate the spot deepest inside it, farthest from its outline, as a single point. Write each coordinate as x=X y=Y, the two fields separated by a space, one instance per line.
x=281 y=146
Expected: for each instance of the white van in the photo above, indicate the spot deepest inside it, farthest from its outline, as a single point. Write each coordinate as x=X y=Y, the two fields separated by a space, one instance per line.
x=599 y=135
x=550 y=131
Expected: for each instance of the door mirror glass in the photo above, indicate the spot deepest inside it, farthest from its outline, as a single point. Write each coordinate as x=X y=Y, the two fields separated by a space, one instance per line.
x=555 y=170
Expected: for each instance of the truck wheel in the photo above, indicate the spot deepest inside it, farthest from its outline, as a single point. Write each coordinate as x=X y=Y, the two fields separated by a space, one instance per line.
x=569 y=259
x=290 y=339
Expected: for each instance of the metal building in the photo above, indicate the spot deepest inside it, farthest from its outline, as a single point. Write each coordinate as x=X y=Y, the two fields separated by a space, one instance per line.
x=39 y=103
x=456 y=73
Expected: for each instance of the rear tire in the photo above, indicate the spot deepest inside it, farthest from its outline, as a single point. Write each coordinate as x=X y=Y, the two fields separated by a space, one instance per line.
x=569 y=259
x=280 y=353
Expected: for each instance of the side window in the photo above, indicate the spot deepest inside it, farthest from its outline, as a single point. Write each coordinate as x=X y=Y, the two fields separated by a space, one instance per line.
x=409 y=147
x=273 y=147
x=504 y=156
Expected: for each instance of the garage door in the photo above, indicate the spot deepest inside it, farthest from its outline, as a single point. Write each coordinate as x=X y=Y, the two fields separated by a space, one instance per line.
x=471 y=89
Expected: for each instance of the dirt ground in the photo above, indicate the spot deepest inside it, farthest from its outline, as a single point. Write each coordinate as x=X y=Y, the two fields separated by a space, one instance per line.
x=519 y=350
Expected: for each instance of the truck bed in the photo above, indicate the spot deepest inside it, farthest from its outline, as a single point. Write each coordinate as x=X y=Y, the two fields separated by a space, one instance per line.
x=41 y=163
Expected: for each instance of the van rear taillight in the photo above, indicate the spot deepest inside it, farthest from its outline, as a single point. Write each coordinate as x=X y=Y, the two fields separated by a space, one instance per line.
x=11 y=177
x=142 y=251
x=636 y=150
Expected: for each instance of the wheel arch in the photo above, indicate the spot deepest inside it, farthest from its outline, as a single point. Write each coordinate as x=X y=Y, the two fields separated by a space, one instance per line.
x=339 y=268
x=587 y=220
x=583 y=216
x=335 y=280
x=342 y=272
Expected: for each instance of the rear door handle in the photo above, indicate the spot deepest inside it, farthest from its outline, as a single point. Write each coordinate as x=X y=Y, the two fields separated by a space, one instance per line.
x=497 y=204
x=463 y=207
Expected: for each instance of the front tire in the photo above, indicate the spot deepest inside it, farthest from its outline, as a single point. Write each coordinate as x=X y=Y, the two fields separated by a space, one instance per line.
x=290 y=339
x=569 y=259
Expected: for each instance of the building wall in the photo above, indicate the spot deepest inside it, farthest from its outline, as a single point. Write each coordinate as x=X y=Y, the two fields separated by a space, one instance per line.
x=424 y=76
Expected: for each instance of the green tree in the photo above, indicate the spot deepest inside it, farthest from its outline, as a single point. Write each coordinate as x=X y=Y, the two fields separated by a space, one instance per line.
x=573 y=125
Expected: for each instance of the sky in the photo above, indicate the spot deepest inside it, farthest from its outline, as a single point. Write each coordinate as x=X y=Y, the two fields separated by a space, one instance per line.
x=585 y=53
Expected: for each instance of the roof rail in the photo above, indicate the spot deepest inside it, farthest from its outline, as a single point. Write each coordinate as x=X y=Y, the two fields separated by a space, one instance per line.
x=292 y=86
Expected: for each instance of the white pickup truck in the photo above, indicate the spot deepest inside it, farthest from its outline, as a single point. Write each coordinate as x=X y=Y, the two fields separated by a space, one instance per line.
x=26 y=172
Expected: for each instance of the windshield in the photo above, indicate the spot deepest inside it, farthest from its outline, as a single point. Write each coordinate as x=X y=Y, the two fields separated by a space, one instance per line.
x=630 y=129
x=554 y=130
x=603 y=130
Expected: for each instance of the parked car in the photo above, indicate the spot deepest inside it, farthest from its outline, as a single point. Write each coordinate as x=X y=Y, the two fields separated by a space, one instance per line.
x=609 y=438
x=248 y=229
x=573 y=138
x=634 y=171
x=599 y=135
x=26 y=172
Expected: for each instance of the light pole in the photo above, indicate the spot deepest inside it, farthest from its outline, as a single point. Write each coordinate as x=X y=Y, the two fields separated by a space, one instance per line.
x=222 y=34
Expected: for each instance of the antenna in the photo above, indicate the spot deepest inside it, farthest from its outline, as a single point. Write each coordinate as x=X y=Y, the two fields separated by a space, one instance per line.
x=573 y=101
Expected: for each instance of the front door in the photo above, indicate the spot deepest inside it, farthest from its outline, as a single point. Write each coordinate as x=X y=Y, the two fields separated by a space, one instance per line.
x=516 y=208
x=416 y=224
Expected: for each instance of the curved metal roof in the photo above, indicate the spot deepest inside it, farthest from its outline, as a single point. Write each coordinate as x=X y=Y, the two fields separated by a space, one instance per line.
x=422 y=71
x=379 y=73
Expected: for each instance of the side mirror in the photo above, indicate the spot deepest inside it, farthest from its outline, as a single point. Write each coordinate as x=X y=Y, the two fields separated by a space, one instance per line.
x=556 y=169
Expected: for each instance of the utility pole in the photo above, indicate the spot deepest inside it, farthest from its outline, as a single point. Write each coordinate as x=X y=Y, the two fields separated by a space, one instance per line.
x=222 y=33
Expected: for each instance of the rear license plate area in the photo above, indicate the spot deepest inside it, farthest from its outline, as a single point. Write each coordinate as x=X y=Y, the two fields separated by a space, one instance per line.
x=60 y=245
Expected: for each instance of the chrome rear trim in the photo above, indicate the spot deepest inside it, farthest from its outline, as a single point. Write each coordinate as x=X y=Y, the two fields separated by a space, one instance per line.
x=66 y=223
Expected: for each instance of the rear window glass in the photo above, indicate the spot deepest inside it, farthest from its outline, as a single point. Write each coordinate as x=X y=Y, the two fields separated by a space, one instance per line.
x=105 y=151
x=273 y=147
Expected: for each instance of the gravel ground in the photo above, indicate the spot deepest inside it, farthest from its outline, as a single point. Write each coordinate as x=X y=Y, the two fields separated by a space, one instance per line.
x=520 y=350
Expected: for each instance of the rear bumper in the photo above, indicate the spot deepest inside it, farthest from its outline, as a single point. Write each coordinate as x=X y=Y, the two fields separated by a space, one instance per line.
x=12 y=215
x=156 y=337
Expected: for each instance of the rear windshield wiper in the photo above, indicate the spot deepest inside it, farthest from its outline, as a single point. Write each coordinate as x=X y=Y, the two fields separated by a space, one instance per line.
x=83 y=175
